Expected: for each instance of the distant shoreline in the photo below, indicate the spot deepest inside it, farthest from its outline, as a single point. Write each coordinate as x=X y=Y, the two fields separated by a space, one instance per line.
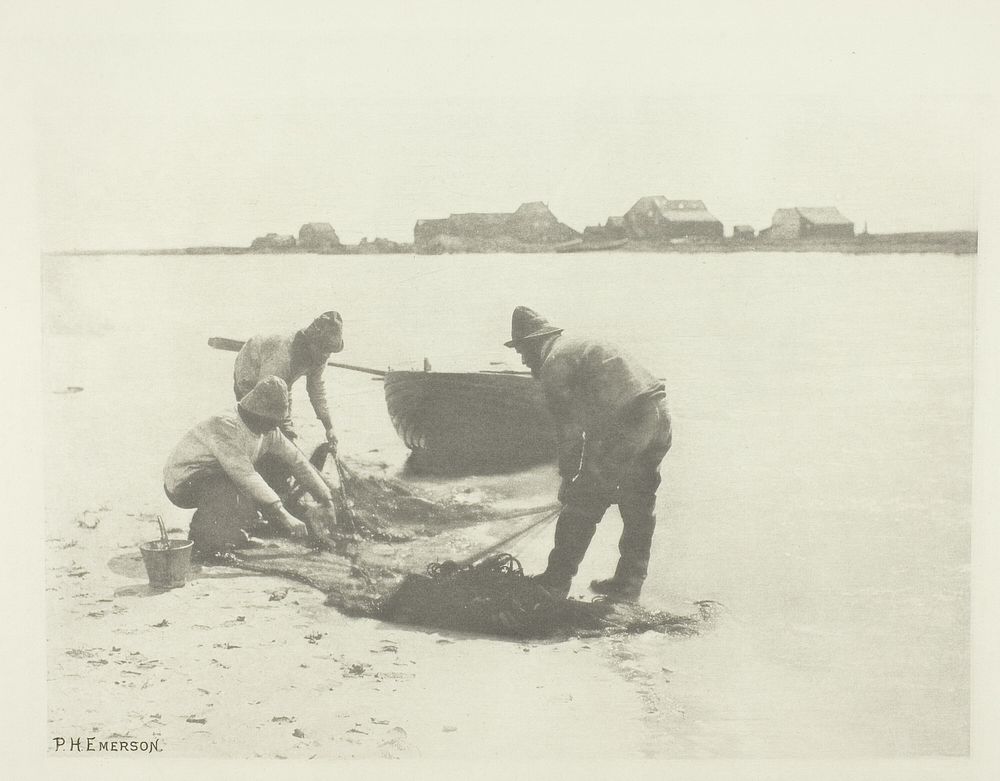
x=935 y=242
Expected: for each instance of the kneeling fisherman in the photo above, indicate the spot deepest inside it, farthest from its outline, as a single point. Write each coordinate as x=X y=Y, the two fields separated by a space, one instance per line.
x=213 y=471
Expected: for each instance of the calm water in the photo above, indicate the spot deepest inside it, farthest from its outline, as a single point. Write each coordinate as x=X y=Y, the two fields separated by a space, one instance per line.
x=819 y=486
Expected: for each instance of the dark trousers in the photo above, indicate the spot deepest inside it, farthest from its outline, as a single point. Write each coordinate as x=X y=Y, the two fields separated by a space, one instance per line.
x=620 y=466
x=276 y=473
x=222 y=515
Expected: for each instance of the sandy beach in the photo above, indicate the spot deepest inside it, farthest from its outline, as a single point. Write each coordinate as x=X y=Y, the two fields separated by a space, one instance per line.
x=819 y=490
x=237 y=664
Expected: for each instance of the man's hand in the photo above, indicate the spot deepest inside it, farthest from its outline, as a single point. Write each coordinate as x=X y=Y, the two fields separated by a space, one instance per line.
x=331 y=441
x=320 y=521
x=326 y=508
x=571 y=455
x=292 y=525
x=566 y=490
x=288 y=431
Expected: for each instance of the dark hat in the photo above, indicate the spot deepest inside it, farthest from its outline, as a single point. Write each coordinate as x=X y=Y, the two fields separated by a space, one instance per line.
x=527 y=324
x=327 y=331
x=268 y=399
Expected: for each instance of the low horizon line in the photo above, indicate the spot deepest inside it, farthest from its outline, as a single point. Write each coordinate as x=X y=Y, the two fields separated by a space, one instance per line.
x=153 y=250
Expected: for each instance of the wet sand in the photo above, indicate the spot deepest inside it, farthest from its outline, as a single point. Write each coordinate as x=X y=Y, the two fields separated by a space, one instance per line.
x=818 y=488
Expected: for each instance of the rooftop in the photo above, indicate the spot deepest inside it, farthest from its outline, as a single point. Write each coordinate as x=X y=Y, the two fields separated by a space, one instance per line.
x=823 y=215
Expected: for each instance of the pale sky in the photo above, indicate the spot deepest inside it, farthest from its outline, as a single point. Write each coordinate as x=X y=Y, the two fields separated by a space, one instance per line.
x=166 y=127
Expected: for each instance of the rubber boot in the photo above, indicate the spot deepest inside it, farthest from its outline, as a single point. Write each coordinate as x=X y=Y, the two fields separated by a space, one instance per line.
x=574 y=531
x=638 y=524
x=618 y=589
x=630 y=574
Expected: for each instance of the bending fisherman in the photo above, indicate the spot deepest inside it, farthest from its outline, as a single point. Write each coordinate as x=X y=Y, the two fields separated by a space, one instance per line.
x=613 y=430
x=291 y=356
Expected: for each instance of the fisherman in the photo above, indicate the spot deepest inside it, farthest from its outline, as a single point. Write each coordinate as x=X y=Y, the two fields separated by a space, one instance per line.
x=213 y=471
x=291 y=356
x=613 y=430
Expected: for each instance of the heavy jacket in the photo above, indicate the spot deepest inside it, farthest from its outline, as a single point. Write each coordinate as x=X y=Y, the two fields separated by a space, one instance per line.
x=590 y=386
x=286 y=357
x=224 y=444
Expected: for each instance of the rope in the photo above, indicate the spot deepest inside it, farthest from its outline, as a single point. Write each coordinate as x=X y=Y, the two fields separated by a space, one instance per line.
x=482 y=554
x=489 y=560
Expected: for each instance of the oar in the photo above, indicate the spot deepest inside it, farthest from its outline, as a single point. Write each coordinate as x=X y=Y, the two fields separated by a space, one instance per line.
x=235 y=345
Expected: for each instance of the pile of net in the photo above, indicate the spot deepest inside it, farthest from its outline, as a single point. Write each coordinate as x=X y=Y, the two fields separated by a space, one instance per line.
x=482 y=598
x=400 y=557
x=493 y=597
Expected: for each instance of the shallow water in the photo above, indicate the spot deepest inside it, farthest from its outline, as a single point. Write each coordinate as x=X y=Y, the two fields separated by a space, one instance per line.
x=819 y=484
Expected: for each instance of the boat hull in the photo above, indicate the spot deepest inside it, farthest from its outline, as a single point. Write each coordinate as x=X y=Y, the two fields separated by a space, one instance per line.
x=470 y=422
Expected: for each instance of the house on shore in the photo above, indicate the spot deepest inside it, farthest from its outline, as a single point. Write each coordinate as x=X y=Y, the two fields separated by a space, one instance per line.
x=273 y=242
x=654 y=217
x=531 y=224
x=612 y=230
x=319 y=237
x=425 y=231
x=485 y=225
x=819 y=222
x=743 y=232
x=534 y=223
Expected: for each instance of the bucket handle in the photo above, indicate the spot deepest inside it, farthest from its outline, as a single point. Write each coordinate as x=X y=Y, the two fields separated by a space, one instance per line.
x=163 y=532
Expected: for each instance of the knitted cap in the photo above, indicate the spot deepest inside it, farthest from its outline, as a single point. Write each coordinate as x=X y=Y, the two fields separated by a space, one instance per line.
x=527 y=324
x=268 y=399
x=327 y=331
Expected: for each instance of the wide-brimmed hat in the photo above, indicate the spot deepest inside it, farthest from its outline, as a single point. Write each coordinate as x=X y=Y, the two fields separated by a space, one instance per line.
x=327 y=331
x=268 y=399
x=527 y=324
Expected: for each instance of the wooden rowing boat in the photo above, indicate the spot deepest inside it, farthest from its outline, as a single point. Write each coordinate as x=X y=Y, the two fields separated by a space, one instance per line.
x=456 y=422
x=477 y=421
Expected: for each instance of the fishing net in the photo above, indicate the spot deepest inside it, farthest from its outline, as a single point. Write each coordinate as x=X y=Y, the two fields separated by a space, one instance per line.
x=376 y=507
x=491 y=597
x=400 y=557
x=378 y=502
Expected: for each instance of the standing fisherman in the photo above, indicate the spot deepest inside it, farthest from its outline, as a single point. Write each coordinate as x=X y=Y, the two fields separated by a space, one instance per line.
x=213 y=470
x=290 y=356
x=613 y=430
